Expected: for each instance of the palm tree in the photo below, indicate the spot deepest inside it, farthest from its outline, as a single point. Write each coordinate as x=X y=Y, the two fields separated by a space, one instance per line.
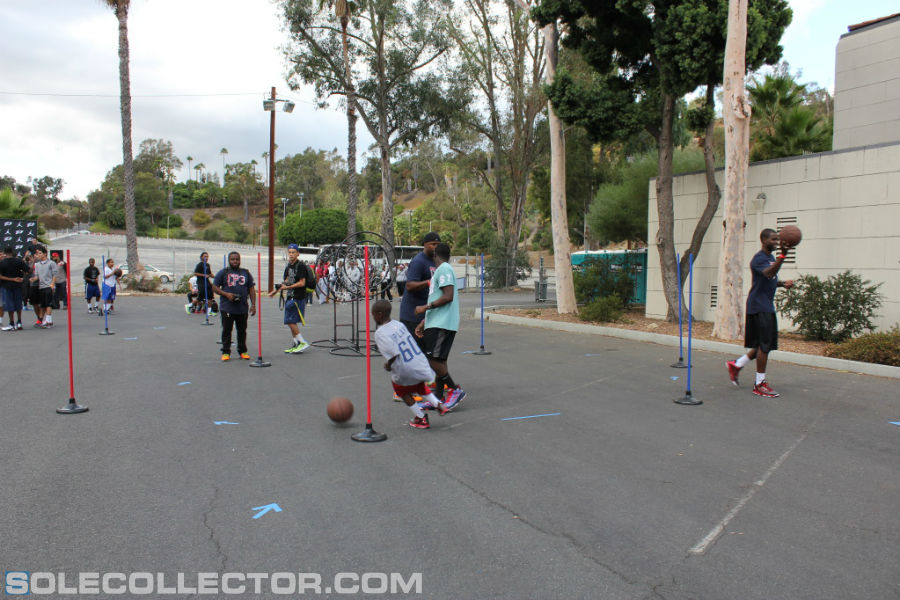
x=120 y=8
x=199 y=168
x=189 y=159
x=342 y=12
x=223 y=152
x=11 y=206
x=265 y=157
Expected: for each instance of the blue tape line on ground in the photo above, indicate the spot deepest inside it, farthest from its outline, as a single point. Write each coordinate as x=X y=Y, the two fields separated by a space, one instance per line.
x=158 y=328
x=894 y=422
x=674 y=377
x=134 y=338
x=185 y=383
x=530 y=417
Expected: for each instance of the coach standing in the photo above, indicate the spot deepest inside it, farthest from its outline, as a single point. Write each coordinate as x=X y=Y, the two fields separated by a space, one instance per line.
x=418 y=279
x=236 y=286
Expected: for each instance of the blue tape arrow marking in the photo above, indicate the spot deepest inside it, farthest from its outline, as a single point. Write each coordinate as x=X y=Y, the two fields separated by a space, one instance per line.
x=225 y=423
x=185 y=383
x=467 y=352
x=530 y=417
x=674 y=377
x=264 y=509
x=894 y=422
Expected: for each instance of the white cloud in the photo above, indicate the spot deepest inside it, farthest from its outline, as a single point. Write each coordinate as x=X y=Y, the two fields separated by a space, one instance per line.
x=209 y=47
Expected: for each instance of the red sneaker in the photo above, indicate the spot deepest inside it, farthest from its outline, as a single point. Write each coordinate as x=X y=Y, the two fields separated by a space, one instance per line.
x=763 y=389
x=733 y=371
x=420 y=423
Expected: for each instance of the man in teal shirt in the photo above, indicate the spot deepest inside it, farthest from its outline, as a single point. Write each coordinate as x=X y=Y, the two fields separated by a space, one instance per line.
x=441 y=324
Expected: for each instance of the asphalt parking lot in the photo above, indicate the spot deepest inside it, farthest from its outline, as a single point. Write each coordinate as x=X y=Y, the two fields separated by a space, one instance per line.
x=567 y=472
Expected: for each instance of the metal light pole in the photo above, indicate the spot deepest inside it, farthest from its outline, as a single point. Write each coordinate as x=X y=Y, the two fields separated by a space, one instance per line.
x=270 y=104
x=284 y=202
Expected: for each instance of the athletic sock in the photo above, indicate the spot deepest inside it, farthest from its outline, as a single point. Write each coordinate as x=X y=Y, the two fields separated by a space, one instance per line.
x=760 y=377
x=417 y=410
x=742 y=361
x=432 y=400
x=298 y=339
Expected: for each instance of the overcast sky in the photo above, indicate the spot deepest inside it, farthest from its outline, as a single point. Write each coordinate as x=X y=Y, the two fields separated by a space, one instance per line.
x=199 y=72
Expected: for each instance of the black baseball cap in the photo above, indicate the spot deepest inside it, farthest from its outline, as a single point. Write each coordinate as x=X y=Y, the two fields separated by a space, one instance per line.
x=430 y=237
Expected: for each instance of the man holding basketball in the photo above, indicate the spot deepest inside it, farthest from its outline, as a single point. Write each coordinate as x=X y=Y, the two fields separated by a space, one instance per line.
x=761 y=326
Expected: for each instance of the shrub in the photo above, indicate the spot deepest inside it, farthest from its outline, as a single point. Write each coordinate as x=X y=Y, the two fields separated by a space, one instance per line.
x=604 y=276
x=200 y=218
x=174 y=220
x=99 y=227
x=833 y=310
x=184 y=286
x=142 y=284
x=603 y=310
x=882 y=348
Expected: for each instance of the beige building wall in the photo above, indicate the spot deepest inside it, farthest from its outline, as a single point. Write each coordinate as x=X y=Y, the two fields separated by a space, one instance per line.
x=867 y=86
x=847 y=203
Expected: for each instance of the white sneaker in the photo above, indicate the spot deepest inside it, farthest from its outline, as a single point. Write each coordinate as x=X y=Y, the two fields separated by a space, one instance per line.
x=301 y=347
x=9 y=327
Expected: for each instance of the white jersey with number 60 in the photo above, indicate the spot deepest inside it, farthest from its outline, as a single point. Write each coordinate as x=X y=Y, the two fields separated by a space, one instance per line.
x=411 y=366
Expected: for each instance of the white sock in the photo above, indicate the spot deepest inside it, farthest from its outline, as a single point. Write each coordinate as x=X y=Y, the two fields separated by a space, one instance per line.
x=760 y=377
x=298 y=339
x=48 y=319
x=416 y=410
x=432 y=400
x=742 y=361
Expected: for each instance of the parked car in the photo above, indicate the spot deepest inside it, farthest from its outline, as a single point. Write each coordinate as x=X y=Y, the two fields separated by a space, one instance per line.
x=163 y=276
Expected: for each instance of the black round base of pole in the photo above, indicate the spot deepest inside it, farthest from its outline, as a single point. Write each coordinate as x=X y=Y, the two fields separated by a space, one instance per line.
x=107 y=332
x=688 y=400
x=482 y=352
x=259 y=362
x=680 y=364
x=72 y=408
x=368 y=435
x=207 y=323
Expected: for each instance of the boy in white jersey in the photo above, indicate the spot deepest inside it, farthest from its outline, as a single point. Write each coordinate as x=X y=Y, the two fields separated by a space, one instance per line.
x=408 y=366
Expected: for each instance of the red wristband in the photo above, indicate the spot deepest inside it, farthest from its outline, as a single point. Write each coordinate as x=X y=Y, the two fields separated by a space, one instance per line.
x=782 y=256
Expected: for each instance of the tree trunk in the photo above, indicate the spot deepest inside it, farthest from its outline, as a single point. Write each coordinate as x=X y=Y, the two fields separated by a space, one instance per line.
x=665 y=237
x=352 y=193
x=559 y=218
x=736 y=109
x=713 y=194
x=131 y=249
x=171 y=198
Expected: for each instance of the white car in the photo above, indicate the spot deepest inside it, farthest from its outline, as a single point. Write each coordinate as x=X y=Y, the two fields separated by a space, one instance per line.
x=163 y=276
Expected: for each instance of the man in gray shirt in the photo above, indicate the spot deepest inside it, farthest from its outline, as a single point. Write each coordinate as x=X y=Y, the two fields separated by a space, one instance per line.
x=45 y=271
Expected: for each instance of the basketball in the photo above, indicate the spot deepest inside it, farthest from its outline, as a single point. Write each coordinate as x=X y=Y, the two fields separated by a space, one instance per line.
x=340 y=409
x=790 y=235
x=117 y=272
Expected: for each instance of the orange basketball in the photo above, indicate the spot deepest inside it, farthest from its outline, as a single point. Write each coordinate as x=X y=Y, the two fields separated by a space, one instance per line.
x=340 y=409
x=790 y=235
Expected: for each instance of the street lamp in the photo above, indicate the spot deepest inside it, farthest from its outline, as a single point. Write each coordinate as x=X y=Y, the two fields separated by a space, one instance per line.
x=270 y=104
x=284 y=202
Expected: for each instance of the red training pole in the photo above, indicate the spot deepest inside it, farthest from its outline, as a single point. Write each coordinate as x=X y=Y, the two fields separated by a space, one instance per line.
x=259 y=362
x=368 y=348
x=369 y=434
x=72 y=407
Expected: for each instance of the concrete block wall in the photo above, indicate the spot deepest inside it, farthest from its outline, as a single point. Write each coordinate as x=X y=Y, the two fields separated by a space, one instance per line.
x=847 y=203
x=867 y=86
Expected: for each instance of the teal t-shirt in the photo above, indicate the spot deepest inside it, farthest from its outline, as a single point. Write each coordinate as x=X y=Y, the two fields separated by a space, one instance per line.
x=446 y=316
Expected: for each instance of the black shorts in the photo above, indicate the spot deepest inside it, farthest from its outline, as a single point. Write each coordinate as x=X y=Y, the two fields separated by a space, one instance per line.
x=34 y=296
x=438 y=343
x=761 y=331
x=45 y=297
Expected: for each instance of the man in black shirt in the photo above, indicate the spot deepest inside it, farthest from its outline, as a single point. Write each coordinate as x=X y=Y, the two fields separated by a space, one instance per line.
x=236 y=286
x=91 y=285
x=12 y=273
x=204 y=275
x=294 y=286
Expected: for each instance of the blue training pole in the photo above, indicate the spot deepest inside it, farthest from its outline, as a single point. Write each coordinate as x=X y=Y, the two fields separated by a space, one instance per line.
x=482 y=351
x=688 y=399
x=106 y=330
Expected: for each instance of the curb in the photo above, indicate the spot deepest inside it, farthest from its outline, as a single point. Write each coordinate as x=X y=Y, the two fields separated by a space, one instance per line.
x=808 y=360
